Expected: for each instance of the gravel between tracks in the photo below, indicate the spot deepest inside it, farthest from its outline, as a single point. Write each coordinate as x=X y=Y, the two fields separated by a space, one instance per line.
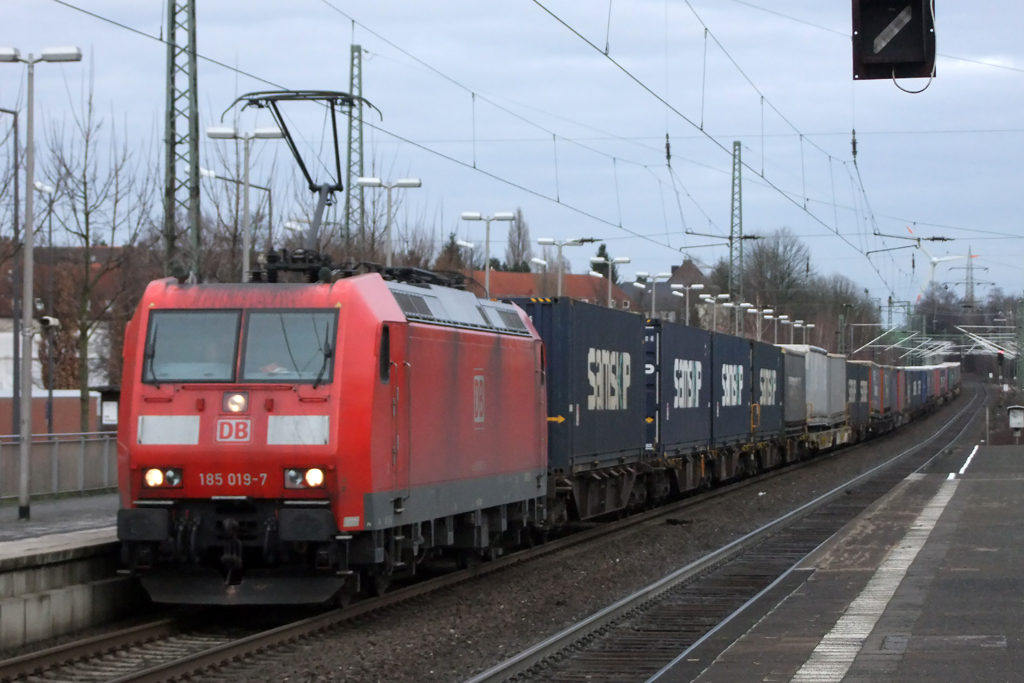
x=460 y=631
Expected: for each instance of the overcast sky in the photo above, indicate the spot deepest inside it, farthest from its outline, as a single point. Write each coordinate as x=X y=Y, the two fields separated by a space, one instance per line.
x=557 y=129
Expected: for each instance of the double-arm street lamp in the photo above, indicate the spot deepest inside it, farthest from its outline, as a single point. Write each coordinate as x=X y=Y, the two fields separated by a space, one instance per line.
x=477 y=216
x=207 y=173
x=8 y=54
x=600 y=260
x=695 y=287
x=377 y=182
x=228 y=133
x=713 y=300
x=549 y=242
x=808 y=326
x=653 y=279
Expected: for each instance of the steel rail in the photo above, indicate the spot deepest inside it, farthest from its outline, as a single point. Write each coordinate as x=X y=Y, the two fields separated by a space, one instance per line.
x=50 y=658
x=553 y=645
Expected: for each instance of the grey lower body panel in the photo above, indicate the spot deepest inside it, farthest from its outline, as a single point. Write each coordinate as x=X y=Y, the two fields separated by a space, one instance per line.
x=394 y=508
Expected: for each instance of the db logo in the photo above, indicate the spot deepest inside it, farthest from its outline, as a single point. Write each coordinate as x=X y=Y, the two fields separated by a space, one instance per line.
x=233 y=430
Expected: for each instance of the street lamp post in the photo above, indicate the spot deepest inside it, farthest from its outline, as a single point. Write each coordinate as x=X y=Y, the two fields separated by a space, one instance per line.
x=696 y=287
x=808 y=326
x=730 y=305
x=207 y=173
x=549 y=242
x=48 y=326
x=468 y=245
x=780 y=320
x=477 y=216
x=226 y=133
x=790 y=324
x=739 y=314
x=544 y=264
x=599 y=260
x=53 y=54
x=401 y=182
x=15 y=299
x=792 y=331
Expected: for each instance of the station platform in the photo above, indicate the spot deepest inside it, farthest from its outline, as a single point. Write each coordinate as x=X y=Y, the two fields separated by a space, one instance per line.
x=926 y=585
x=59 y=516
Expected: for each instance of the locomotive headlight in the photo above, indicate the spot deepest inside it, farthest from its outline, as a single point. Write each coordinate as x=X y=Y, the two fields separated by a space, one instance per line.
x=172 y=477
x=154 y=478
x=236 y=402
x=296 y=478
x=314 y=477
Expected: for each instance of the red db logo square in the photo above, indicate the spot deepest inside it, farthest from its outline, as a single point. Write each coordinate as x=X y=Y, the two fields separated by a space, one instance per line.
x=233 y=430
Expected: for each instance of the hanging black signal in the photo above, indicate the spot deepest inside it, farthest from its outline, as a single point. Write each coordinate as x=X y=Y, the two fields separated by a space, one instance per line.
x=893 y=39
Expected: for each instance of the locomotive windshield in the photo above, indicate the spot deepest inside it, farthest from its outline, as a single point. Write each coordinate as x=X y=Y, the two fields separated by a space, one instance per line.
x=191 y=346
x=289 y=346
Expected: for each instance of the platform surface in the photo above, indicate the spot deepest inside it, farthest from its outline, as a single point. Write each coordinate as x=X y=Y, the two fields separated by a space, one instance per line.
x=60 y=516
x=926 y=586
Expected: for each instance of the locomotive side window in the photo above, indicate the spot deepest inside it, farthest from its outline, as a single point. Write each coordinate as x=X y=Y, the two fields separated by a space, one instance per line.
x=385 y=354
x=191 y=346
x=289 y=346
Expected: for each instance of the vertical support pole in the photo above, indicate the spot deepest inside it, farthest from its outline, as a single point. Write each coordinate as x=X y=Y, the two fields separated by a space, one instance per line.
x=54 y=464
x=736 y=231
x=487 y=252
x=81 y=464
x=181 y=152
x=246 y=219
x=25 y=452
x=355 y=207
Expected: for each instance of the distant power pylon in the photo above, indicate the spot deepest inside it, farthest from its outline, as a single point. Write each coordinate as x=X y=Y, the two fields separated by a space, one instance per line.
x=355 y=208
x=969 y=280
x=181 y=134
x=736 y=229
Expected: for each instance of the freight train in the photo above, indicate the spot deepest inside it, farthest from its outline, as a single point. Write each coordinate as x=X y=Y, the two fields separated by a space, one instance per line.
x=296 y=443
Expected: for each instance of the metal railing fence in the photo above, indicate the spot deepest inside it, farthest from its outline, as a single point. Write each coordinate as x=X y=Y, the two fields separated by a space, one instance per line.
x=61 y=463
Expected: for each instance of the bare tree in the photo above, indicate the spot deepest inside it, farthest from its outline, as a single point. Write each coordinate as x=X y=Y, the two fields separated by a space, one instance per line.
x=519 y=250
x=105 y=200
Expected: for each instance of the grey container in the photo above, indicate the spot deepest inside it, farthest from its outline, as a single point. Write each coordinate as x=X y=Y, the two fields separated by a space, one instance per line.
x=678 y=388
x=873 y=374
x=766 y=385
x=794 y=400
x=889 y=402
x=595 y=378
x=837 y=389
x=816 y=382
x=730 y=378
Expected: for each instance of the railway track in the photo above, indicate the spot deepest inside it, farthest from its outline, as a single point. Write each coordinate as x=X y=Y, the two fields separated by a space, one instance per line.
x=634 y=638
x=181 y=646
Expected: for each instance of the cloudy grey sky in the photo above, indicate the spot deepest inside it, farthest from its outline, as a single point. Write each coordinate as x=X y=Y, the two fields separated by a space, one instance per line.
x=558 y=129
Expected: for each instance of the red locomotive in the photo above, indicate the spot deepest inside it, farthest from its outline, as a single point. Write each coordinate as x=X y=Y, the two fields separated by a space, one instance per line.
x=288 y=443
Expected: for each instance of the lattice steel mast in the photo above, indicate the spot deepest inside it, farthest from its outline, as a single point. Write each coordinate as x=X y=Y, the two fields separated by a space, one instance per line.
x=355 y=209
x=736 y=228
x=181 y=135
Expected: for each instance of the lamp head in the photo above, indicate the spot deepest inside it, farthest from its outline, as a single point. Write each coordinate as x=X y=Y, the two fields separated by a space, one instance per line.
x=9 y=54
x=465 y=244
x=68 y=53
x=221 y=133
x=504 y=216
x=207 y=173
x=539 y=261
x=268 y=133
x=472 y=216
x=368 y=182
x=409 y=182
x=546 y=242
